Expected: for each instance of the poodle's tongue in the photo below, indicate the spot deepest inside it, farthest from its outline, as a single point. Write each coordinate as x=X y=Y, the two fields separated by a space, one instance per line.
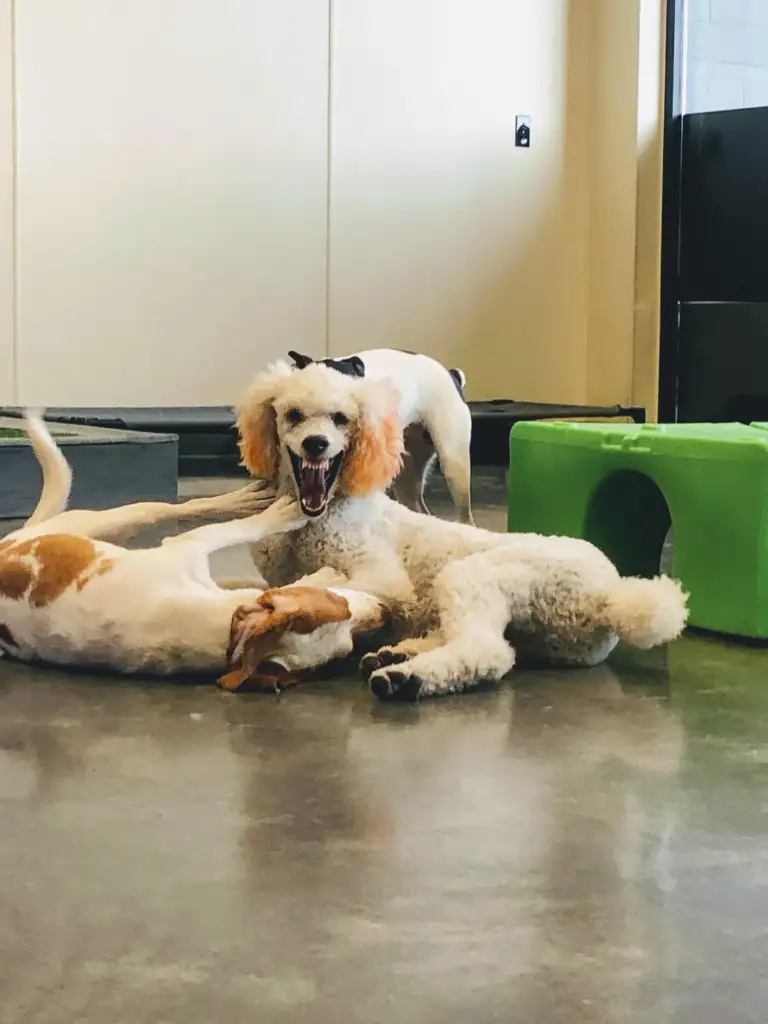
x=313 y=485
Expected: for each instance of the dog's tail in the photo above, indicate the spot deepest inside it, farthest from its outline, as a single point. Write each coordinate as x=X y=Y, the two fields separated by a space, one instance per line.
x=646 y=613
x=57 y=474
x=459 y=378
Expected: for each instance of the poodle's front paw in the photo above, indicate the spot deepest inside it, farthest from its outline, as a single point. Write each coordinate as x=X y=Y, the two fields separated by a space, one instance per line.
x=395 y=684
x=379 y=659
x=368 y=664
x=407 y=677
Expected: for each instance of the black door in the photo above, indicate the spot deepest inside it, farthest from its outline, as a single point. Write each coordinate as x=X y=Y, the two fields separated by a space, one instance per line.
x=714 y=346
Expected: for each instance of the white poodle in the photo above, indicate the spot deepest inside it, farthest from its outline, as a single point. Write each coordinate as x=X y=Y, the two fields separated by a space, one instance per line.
x=469 y=599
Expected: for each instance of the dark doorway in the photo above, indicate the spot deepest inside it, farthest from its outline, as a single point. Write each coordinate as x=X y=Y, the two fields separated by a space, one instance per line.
x=714 y=289
x=629 y=520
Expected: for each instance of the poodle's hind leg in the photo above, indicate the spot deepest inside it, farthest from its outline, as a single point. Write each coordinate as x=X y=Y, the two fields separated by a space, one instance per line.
x=475 y=598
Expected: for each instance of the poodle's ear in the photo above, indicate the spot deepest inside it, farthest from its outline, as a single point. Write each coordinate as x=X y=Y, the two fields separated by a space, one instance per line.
x=256 y=422
x=376 y=455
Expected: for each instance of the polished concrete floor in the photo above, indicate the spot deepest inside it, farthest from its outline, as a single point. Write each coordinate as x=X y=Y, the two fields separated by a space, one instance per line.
x=574 y=847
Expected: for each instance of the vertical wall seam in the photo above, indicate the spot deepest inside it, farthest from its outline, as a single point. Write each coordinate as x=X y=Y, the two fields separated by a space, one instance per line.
x=328 y=173
x=14 y=212
x=591 y=127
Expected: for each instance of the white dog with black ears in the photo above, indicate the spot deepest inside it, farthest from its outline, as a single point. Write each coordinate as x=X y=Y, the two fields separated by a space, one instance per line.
x=468 y=597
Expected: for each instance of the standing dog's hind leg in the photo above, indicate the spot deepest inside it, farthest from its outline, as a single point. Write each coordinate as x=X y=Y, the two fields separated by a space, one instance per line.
x=420 y=455
x=450 y=428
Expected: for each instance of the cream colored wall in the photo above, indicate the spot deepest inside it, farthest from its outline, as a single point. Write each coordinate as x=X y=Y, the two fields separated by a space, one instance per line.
x=627 y=89
x=612 y=158
x=6 y=206
x=172 y=195
x=445 y=237
x=517 y=265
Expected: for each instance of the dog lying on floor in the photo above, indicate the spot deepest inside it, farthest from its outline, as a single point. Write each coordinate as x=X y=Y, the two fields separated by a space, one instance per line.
x=468 y=598
x=432 y=410
x=68 y=596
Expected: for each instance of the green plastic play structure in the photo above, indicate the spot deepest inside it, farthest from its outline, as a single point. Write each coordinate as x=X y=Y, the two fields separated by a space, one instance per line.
x=622 y=486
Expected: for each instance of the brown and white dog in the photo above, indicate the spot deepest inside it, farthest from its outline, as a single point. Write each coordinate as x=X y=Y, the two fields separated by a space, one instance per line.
x=70 y=596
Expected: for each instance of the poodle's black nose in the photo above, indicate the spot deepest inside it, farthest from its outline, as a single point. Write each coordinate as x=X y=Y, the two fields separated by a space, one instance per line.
x=315 y=445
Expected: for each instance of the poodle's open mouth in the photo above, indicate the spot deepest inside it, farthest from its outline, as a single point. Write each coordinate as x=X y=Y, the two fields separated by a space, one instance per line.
x=315 y=480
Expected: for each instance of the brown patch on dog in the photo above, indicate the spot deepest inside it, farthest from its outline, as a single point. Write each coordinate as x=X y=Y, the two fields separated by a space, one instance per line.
x=268 y=676
x=6 y=636
x=100 y=569
x=256 y=630
x=272 y=676
x=15 y=576
x=305 y=608
x=42 y=568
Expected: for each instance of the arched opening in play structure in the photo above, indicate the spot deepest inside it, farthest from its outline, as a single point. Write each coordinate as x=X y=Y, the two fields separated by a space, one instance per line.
x=628 y=519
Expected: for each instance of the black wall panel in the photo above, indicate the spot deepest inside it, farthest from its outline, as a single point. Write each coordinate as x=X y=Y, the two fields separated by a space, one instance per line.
x=724 y=207
x=723 y=362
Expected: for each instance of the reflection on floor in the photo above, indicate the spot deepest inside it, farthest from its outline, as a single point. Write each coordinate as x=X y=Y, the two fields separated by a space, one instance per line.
x=585 y=846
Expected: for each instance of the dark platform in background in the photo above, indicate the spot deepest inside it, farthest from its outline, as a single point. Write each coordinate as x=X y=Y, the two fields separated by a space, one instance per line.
x=208 y=440
x=722 y=289
x=111 y=467
x=492 y=422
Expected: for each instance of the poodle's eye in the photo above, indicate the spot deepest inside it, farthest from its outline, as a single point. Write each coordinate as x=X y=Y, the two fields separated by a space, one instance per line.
x=340 y=419
x=295 y=416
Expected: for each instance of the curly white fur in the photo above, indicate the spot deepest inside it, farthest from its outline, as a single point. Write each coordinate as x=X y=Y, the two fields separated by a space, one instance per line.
x=472 y=598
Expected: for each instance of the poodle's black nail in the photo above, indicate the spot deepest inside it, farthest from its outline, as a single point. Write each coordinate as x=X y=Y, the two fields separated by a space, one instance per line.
x=403 y=687
x=411 y=689
x=381 y=688
x=391 y=658
x=368 y=665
